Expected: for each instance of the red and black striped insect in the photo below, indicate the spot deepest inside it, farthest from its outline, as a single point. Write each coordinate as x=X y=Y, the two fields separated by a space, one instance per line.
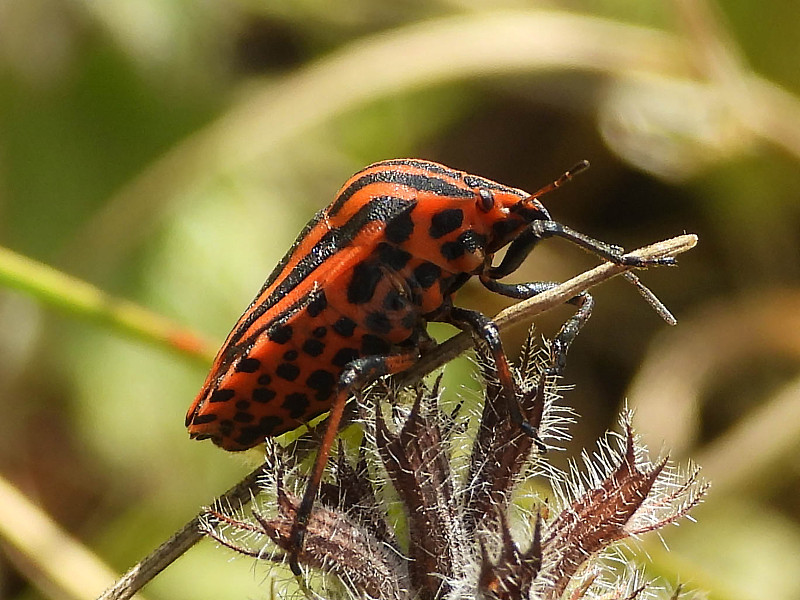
x=351 y=299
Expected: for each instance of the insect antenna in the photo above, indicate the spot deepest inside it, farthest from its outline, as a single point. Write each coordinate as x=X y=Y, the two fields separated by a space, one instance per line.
x=568 y=174
x=646 y=293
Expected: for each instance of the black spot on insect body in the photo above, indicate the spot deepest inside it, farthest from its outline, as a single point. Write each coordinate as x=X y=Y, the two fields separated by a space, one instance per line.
x=373 y=344
x=263 y=395
x=409 y=321
x=426 y=274
x=395 y=300
x=203 y=419
x=243 y=405
x=472 y=241
x=344 y=327
x=363 y=282
x=226 y=427
x=290 y=355
x=296 y=404
x=378 y=322
x=268 y=424
x=449 y=285
x=243 y=417
x=313 y=347
x=445 y=221
x=222 y=395
x=344 y=356
x=452 y=250
x=502 y=229
x=264 y=379
x=248 y=365
x=280 y=334
x=318 y=303
x=319 y=332
x=287 y=371
x=445 y=283
x=248 y=436
x=400 y=227
x=392 y=257
x=322 y=382
x=414 y=289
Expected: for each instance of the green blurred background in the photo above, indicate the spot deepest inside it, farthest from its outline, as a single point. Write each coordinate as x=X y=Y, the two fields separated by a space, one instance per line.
x=167 y=152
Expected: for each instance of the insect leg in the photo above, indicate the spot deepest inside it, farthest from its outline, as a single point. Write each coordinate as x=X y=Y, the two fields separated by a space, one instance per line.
x=356 y=374
x=519 y=249
x=524 y=243
x=485 y=329
x=569 y=330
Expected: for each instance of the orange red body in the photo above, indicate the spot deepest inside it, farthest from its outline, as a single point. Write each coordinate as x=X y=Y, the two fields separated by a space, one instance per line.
x=362 y=279
x=352 y=298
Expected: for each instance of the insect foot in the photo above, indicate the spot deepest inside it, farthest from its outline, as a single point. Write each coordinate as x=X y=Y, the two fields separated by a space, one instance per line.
x=456 y=484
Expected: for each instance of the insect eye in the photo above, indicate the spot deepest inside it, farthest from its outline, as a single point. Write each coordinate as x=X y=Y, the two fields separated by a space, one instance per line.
x=486 y=200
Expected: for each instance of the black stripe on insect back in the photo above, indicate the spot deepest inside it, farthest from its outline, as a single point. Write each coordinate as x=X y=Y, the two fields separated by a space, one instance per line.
x=258 y=311
x=420 y=183
x=431 y=167
x=382 y=208
x=277 y=325
x=285 y=260
x=476 y=182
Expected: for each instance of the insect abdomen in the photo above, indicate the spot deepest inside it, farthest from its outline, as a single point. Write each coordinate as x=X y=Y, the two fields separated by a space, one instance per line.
x=291 y=371
x=359 y=281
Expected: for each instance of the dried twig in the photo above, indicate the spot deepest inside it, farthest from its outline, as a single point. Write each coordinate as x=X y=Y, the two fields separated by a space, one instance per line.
x=177 y=545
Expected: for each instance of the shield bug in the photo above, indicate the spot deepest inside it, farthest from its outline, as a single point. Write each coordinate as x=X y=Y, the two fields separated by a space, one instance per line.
x=351 y=299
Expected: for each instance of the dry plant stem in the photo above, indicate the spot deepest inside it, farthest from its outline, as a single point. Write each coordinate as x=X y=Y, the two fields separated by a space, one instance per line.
x=243 y=492
x=525 y=310
x=180 y=542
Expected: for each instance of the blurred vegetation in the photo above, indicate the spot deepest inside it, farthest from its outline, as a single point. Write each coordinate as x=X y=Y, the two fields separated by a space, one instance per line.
x=167 y=153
